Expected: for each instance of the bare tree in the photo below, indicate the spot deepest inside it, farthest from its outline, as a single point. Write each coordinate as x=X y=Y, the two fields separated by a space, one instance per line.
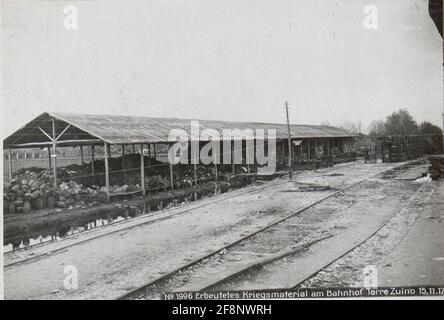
x=353 y=127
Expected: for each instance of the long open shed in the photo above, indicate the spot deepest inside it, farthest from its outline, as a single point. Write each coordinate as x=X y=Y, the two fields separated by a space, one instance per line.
x=54 y=129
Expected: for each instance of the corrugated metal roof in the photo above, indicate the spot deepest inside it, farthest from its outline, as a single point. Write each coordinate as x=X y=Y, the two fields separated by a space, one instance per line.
x=116 y=129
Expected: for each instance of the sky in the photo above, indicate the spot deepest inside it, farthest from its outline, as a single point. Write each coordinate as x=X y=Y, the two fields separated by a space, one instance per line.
x=234 y=60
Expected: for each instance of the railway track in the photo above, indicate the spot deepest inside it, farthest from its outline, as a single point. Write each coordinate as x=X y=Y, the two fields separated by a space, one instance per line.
x=134 y=222
x=275 y=241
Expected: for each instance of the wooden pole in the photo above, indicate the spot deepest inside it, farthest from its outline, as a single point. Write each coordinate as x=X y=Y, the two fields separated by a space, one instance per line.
x=215 y=166
x=54 y=156
x=171 y=177
x=195 y=168
x=49 y=157
x=316 y=148
x=81 y=153
x=247 y=156
x=106 y=171
x=123 y=161
x=142 y=170
x=92 y=160
x=308 y=150
x=290 y=173
x=10 y=164
x=233 y=169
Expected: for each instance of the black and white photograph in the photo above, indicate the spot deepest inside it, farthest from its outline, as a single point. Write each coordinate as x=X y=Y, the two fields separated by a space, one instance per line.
x=211 y=150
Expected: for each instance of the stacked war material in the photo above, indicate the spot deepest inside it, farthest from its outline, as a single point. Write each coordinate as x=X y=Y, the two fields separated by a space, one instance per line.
x=32 y=189
x=436 y=167
x=395 y=154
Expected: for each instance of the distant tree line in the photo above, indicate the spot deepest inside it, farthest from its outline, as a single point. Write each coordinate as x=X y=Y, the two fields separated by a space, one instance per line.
x=401 y=123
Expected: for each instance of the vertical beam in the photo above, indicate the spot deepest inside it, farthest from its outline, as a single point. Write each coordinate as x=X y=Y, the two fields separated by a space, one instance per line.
x=154 y=151
x=290 y=173
x=195 y=161
x=10 y=164
x=247 y=156
x=215 y=165
x=106 y=171
x=142 y=170
x=54 y=156
x=123 y=160
x=233 y=169
x=92 y=160
x=171 y=176
x=81 y=153
x=308 y=149
x=49 y=157
x=316 y=148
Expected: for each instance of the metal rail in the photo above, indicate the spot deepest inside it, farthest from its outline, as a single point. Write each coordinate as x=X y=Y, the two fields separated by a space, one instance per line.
x=140 y=291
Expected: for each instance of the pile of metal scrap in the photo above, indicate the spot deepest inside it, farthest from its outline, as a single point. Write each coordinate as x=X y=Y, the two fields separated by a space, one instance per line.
x=436 y=167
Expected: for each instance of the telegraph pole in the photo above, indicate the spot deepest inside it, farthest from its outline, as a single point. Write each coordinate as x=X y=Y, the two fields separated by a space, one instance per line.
x=290 y=173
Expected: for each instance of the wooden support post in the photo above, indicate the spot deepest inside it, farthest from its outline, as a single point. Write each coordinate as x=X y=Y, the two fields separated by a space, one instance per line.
x=54 y=156
x=215 y=166
x=106 y=171
x=134 y=149
x=316 y=148
x=233 y=168
x=123 y=160
x=92 y=160
x=247 y=157
x=196 y=161
x=290 y=171
x=308 y=150
x=154 y=151
x=81 y=154
x=10 y=164
x=49 y=157
x=142 y=170
x=171 y=177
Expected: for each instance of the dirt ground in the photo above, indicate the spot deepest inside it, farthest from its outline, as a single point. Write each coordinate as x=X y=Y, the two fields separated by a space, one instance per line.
x=408 y=251
x=111 y=261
